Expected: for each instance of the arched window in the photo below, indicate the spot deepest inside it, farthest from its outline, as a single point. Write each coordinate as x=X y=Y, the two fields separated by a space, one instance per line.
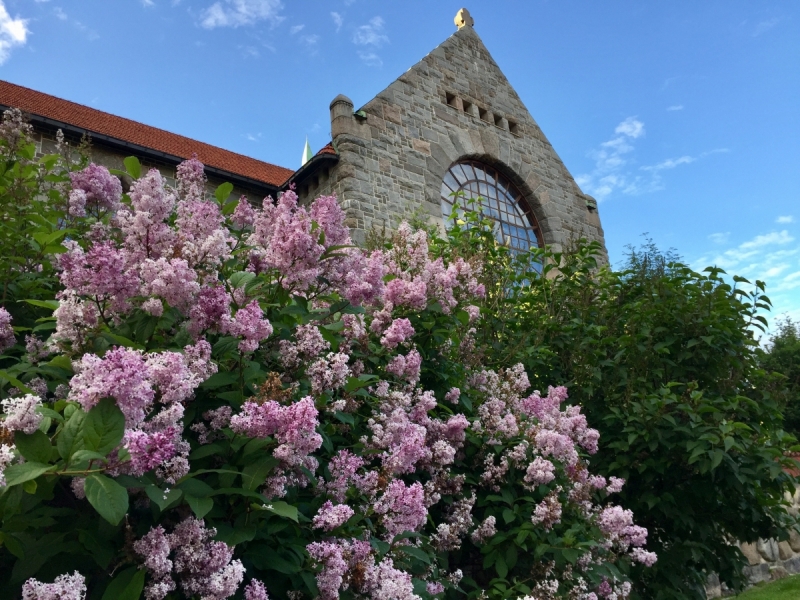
x=497 y=198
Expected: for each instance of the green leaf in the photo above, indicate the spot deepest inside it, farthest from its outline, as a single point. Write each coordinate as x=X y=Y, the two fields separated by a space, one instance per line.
x=223 y=191
x=108 y=497
x=35 y=447
x=70 y=439
x=133 y=167
x=127 y=585
x=255 y=474
x=241 y=278
x=501 y=567
x=162 y=500
x=207 y=450
x=280 y=508
x=16 y=474
x=104 y=427
x=417 y=553
x=200 y=506
x=51 y=304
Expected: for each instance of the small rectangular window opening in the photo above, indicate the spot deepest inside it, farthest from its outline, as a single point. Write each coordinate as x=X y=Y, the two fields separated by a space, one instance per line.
x=513 y=128
x=467 y=106
x=483 y=114
x=451 y=99
x=498 y=121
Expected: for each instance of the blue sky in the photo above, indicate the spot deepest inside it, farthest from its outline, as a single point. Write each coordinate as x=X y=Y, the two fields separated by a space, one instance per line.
x=682 y=118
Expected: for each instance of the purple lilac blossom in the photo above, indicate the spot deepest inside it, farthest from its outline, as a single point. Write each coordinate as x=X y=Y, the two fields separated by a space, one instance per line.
x=20 y=413
x=101 y=189
x=397 y=333
x=6 y=458
x=65 y=587
x=330 y=516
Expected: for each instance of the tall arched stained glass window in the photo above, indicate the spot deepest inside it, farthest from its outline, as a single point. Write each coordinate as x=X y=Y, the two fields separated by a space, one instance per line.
x=498 y=199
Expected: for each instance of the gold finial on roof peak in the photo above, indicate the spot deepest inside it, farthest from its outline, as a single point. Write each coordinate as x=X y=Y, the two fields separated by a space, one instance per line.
x=463 y=19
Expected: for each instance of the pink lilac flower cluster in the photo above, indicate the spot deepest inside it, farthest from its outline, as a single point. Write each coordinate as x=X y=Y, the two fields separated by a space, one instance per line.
x=293 y=427
x=94 y=187
x=6 y=458
x=65 y=587
x=20 y=413
x=330 y=516
x=138 y=383
x=617 y=524
x=255 y=590
x=201 y=566
x=339 y=559
x=402 y=507
x=7 y=338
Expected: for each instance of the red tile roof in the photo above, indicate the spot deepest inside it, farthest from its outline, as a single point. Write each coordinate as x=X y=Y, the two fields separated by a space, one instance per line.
x=327 y=149
x=99 y=122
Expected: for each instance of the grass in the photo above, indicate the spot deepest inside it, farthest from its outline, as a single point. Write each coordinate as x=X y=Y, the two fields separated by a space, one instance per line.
x=783 y=589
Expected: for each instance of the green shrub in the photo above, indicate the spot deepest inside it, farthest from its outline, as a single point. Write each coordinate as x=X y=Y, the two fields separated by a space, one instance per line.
x=664 y=362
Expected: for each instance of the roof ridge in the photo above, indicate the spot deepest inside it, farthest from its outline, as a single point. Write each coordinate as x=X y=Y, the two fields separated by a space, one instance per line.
x=136 y=132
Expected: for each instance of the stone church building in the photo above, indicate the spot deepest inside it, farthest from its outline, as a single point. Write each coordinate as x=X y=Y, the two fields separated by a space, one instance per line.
x=451 y=123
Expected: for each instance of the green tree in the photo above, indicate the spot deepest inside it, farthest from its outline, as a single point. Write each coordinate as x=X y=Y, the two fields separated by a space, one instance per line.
x=664 y=362
x=782 y=355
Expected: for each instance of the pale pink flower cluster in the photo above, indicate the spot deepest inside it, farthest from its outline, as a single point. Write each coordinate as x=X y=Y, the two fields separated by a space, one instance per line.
x=201 y=566
x=250 y=326
x=7 y=338
x=340 y=558
x=65 y=587
x=136 y=381
x=398 y=332
x=96 y=188
x=406 y=367
x=330 y=516
x=328 y=373
x=293 y=427
x=20 y=413
x=402 y=507
x=420 y=280
x=617 y=525
x=255 y=590
x=6 y=458
x=485 y=530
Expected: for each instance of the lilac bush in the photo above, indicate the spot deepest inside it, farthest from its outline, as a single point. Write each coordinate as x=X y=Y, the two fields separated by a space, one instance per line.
x=254 y=406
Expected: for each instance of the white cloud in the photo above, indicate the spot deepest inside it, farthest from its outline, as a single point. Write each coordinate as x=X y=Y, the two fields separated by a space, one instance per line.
x=13 y=32
x=675 y=107
x=337 y=20
x=614 y=160
x=236 y=13
x=720 y=238
x=148 y=3
x=769 y=239
x=765 y=26
x=310 y=40
x=60 y=14
x=772 y=257
x=371 y=59
x=631 y=127
x=296 y=28
x=371 y=34
x=785 y=219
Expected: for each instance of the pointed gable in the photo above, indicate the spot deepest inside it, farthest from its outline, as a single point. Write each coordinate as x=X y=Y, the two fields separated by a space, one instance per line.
x=454 y=104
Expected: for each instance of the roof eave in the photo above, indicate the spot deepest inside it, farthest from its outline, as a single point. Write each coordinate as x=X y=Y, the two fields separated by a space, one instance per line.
x=308 y=169
x=246 y=182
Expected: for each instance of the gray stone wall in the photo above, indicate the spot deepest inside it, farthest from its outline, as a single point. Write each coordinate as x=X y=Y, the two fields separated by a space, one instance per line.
x=767 y=560
x=112 y=159
x=452 y=105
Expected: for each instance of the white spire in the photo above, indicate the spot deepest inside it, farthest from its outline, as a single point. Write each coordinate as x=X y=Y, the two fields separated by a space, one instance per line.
x=307 y=154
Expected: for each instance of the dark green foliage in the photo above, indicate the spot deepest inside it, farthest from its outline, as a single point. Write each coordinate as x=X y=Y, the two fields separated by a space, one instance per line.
x=664 y=363
x=783 y=356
